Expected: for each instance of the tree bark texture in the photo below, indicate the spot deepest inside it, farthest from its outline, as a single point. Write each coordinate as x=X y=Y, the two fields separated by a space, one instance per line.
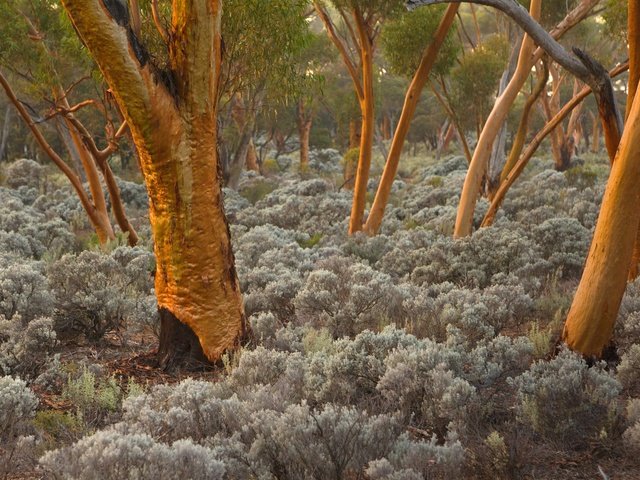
x=173 y=125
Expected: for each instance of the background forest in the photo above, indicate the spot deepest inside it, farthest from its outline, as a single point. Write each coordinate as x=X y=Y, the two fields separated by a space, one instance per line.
x=417 y=202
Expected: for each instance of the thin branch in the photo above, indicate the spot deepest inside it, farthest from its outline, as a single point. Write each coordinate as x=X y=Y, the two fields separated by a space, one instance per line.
x=157 y=20
x=342 y=49
x=134 y=12
x=464 y=30
x=535 y=143
x=75 y=84
x=352 y=33
x=51 y=153
x=65 y=111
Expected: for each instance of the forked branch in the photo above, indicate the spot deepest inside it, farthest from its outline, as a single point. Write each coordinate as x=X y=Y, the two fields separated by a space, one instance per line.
x=580 y=64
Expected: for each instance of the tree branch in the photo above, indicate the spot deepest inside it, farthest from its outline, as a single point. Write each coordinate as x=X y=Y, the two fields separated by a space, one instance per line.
x=535 y=143
x=157 y=20
x=580 y=64
x=108 y=40
x=60 y=163
x=342 y=49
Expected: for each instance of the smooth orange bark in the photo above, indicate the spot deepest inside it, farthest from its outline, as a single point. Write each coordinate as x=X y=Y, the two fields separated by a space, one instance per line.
x=634 y=78
x=477 y=169
x=523 y=127
x=593 y=313
x=633 y=35
x=411 y=100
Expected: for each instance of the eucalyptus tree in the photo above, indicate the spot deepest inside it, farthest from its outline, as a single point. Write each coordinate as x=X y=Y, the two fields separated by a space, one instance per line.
x=361 y=22
x=260 y=61
x=169 y=99
x=529 y=55
x=414 y=44
x=40 y=56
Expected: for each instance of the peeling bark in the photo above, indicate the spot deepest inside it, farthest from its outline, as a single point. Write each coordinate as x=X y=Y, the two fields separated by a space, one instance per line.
x=174 y=131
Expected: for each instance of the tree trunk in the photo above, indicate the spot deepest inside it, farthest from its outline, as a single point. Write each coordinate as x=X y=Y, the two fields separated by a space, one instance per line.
x=304 y=122
x=386 y=127
x=96 y=218
x=517 y=169
x=174 y=130
x=411 y=100
x=498 y=159
x=523 y=127
x=595 y=141
x=355 y=127
x=6 y=127
x=473 y=180
x=449 y=136
x=239 y=158
x=634 y=78
x=442 y=133
x=65 y=136
x=551 y=106
x=178 y=344
x=366 y=136
x=593 y=313
x=102 y=223
x=569 y=143
x=633 y=35
x=244 y=155
x=252 y=157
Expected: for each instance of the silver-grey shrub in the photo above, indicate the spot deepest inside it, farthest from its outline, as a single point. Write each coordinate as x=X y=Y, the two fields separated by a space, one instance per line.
x=567 y=401
x=110 y=455
x=25 y=172
x=26 y=346
x=346 y=297
x=17 y=405
x=96 y=292
x=24 y=291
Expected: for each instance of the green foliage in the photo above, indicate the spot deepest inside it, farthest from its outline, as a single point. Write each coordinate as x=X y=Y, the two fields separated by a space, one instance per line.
x=498 y=451
x=257 y=191
x=380 y=8
x=310 y=242
x=39 y=41
x=581 y=177
x=476 y=79
x=88 y=393
x=262 y=39
x=405 y=37
x=615 y=16
x=56 y=426
x=317 y=341
x=435 y=181
x=553 y=12
x=350 y=159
